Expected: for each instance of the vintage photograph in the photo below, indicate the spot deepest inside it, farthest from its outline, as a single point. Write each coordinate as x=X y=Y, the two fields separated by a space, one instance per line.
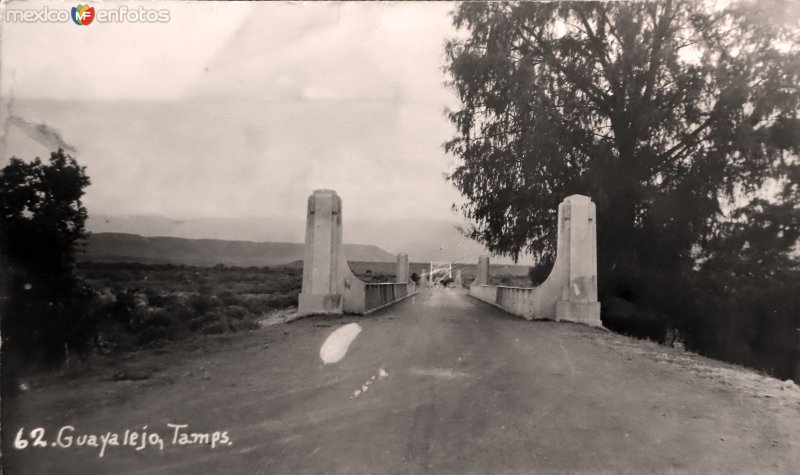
x=400 y=237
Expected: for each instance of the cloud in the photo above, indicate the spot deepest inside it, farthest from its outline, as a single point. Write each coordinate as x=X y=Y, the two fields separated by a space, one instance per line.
x=242 y=110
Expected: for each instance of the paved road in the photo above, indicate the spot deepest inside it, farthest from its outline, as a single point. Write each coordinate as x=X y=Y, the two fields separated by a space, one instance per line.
x=455 y=386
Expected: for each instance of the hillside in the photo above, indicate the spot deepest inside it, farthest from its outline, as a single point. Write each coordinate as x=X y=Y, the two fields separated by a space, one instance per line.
x=423 y=239
x=123 y=247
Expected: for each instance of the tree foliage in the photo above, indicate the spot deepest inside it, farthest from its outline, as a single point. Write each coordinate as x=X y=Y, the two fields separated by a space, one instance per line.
x=42 y=219
x=678 y=119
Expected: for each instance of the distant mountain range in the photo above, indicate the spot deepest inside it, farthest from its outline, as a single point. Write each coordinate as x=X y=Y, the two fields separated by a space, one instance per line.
x=423 y=239
x=123 y=247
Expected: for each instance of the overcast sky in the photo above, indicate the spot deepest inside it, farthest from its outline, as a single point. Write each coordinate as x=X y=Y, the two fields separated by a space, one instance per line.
x=242 y=109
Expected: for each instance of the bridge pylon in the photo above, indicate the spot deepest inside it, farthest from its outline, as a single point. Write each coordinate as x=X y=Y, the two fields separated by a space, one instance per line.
x=329 y=286
x=570 y=291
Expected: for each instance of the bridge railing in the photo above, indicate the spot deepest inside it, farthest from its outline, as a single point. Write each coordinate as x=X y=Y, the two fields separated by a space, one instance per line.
x=379 y=295
x=516 y=299
x=570 y=291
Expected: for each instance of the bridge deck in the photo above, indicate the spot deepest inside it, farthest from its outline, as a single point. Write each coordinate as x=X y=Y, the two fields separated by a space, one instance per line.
x=455 y=386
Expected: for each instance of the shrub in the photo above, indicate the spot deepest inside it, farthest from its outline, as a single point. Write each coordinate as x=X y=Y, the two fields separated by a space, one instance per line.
x=625 y=317
x=236 y=312
x=202 y=303
x=152 y=333
x=227 y=298
x=214 y=328
x=539 y=272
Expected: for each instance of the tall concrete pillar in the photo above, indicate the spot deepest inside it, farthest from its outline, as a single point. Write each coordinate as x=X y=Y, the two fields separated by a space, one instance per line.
x=577 y=253
x=402 y=268
x=321 y=274
x=482 y=273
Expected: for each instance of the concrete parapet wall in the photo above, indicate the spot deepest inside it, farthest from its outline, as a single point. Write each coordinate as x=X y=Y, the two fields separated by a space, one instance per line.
x=570 y=291
x=487 y=293
x=517 y=300
x=378 y=296
x=329 y=286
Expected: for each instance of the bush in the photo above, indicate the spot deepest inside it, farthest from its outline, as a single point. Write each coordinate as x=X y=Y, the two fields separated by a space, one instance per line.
x=624 y=317
x=152 y=333
x=539 y=272
x=162 y=307
x=227 y=298
x=214 y=328
x=236 y=312
x=249 y=324
x=202 y=303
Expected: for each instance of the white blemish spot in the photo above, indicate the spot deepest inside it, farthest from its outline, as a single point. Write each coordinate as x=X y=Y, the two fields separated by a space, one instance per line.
x=336 y=345
x=365 y=387
x=576 y=289
x=444 y=373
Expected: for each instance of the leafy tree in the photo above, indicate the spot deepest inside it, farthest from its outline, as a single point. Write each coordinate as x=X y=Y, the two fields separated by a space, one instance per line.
x=751 y=274
x=42 y=220
x=674 y=117
x=539 y=272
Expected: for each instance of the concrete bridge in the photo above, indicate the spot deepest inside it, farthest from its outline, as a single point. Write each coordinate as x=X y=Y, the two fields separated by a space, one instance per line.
x=569 y=293
x=445 y=380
